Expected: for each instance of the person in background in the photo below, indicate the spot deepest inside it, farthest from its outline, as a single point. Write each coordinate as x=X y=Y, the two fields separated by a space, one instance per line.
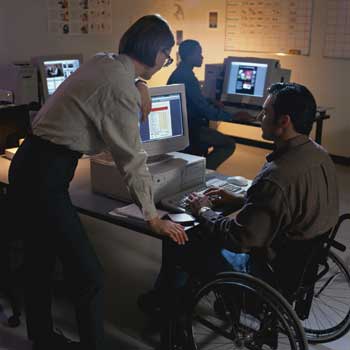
x=95 y=109
x=200 y=111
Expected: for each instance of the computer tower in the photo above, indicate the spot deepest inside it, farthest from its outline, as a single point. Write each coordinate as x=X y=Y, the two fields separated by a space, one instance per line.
x=179 y=172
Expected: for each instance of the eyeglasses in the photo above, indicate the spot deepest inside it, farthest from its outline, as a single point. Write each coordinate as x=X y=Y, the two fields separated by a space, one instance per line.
x=168 y=60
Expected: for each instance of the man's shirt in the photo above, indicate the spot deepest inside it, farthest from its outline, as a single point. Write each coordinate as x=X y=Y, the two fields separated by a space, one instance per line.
x=199 y=110
x=97 y=108
x=295 y=195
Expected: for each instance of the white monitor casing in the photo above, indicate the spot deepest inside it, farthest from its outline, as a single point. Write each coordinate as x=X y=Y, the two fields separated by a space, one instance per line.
x=39 y=63
x=274 y=74
x=173 y=144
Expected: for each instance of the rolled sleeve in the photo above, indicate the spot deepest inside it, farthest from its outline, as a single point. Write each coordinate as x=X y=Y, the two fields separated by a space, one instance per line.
x=120 y=131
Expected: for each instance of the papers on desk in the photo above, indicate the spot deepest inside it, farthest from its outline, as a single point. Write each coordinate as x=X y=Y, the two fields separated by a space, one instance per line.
x=133 y=211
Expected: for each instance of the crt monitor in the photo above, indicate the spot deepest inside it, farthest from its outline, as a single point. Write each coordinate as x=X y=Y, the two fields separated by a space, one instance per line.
x=53 y=70
x=166 y=128
x=247 y=79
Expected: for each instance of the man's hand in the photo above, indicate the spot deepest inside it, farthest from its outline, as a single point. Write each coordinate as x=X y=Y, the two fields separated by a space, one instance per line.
x=219 y=196
x=197 y=202
x=170 y=229
x=146 y=103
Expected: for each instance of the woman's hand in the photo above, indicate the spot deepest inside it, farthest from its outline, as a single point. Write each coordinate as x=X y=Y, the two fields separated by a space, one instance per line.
x=170 y=229
x=146 y=102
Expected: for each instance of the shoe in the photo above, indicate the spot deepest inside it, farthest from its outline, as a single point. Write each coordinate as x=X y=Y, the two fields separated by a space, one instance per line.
x=149 y=303
x=56 y=341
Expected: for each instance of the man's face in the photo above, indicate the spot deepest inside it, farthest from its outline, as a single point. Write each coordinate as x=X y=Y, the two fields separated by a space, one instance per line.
x=161 y=58
x=196 y=57
x=270 y=128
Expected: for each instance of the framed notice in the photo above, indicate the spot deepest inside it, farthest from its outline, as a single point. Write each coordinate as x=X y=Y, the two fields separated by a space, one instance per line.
x=337 y=35
x=269 y=26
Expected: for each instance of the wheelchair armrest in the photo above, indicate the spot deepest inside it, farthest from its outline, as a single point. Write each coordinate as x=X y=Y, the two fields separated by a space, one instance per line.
x=338 y=246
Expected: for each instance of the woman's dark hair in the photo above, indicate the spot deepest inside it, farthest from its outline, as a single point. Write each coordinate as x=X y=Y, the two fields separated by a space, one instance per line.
x=296 y=101
x=145 y=38
x=187 y=47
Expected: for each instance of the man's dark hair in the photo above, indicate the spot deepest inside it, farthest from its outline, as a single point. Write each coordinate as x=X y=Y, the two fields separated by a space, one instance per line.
x=145 y=38
x=296 y=101
x=187 y=47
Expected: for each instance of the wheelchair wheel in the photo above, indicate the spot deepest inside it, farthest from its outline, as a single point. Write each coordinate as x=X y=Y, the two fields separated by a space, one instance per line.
x=239 y=311
x=329 y=317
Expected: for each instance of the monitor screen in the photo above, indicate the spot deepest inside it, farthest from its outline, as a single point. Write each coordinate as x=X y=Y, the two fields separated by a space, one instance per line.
x=53 y=70
x=165 y=129
x=247 y=78
x=57 y=71
x=165 y=119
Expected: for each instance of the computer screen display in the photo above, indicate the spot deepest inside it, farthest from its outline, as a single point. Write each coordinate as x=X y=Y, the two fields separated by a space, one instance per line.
x=247 y=78
x=165 y=119
x=57 y=71
x=166 y=128
x=54 y=70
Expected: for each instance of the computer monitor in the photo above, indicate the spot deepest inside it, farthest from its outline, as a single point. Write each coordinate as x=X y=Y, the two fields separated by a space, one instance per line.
x=166 y=128
x=247 y=79
x=53 y=70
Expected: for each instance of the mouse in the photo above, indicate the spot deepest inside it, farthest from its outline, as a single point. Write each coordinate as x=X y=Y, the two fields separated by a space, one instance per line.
x=237 y=180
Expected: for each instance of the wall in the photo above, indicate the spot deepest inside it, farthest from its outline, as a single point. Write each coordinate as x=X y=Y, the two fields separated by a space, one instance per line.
x=327 y=78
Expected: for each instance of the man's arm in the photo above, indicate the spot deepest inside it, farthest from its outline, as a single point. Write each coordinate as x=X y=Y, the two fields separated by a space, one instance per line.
x=201 y=104
x=120 y=132
x=264 y=214
x=146 y=102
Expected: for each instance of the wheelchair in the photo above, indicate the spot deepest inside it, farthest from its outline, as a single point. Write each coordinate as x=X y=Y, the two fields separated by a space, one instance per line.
x=239 y=311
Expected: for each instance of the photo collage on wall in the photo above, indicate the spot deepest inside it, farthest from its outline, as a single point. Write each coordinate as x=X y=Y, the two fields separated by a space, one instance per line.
x=79 y=17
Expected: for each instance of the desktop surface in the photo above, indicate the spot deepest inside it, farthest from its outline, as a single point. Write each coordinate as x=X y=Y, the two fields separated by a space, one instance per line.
x=98 y=206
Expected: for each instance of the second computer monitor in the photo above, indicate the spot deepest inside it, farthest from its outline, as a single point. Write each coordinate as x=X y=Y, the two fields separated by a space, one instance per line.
x=53 y=70
x=166 y=128
x=247 y=79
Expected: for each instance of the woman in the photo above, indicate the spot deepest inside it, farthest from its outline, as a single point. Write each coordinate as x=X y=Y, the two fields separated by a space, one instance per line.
x=95 y=109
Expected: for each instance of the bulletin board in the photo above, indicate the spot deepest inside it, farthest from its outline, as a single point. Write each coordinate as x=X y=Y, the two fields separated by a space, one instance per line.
x=337 y=34
x=269 y=26
x=69 y=17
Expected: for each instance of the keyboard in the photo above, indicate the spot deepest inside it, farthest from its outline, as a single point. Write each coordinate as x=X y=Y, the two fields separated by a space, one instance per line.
x=178 y=202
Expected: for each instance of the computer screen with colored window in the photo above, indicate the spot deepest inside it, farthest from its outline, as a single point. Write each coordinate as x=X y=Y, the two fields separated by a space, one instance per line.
x=166 y=127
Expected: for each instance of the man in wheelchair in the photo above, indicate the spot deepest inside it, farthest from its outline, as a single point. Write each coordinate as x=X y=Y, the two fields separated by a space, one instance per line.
x=293 y=199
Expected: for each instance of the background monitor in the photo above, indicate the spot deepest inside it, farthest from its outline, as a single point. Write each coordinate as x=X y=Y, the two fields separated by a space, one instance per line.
x=247 y=79
x=53 y=70
x=166 y=128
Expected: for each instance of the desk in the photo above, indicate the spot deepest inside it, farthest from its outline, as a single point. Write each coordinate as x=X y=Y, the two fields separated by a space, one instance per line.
x=321 y=115
x=88 y=202
x=14 y=124
x=131 y=261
